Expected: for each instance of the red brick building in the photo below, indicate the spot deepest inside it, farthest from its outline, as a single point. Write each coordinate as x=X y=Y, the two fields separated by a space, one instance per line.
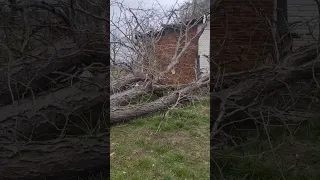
x=241 y=38
x=165 y=48
x=241 y=33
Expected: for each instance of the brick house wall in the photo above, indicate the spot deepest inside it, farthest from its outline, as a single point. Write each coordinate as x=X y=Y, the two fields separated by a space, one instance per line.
x=185 y=71
x=241 y=36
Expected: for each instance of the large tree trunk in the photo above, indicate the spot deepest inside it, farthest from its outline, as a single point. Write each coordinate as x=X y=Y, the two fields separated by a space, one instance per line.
x=58 y=159
x=124 y=97
x=124 y=83
x=249 y=96
x=53 y=90
x=37 y=74
x=125 y=113
x=50 y=113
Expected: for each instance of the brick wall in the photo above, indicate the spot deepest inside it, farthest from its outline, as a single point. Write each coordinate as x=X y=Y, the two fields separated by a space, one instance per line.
x=241 y=37
x=184 y=71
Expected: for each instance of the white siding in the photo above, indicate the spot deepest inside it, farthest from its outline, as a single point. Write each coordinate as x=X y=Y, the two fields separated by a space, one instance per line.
x=204 y=49
x=306 y=14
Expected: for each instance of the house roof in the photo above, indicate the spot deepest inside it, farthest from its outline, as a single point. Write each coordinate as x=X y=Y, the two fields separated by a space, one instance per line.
x=169 y=28
x=179 y=25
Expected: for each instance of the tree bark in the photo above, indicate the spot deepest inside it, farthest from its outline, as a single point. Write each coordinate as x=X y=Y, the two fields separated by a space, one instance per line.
x=59 y=159
x=50 y=113
x=124 y=97
x=36 y=72
x=30 y=75
x=120 y=114
x=254 y=89
x=123 y=83
x=44 y=117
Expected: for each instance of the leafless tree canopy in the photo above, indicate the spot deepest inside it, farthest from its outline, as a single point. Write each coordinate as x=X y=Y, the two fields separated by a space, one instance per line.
x=281 y=89
x=250 y=94
x=53 y=87
x=54 y=81
x=136 y=32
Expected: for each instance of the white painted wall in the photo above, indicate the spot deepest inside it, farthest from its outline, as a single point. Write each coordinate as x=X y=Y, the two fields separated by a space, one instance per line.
x=306 y=14
x=204 y=49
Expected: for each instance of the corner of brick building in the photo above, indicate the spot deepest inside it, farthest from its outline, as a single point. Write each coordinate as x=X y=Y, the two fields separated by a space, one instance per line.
x=242 y=36
x=184 y=72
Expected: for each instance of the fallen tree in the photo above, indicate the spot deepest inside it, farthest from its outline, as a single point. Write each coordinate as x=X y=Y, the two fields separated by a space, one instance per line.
x=47 y=97
x=244 y=95
x=126 y=96
x=129 y=112
x=39 y=70
x=269 y=92
x=240 y=95
x=124 y=83
x=82 y=154
x=53 y=159
x=50 y=113
x=53 y=89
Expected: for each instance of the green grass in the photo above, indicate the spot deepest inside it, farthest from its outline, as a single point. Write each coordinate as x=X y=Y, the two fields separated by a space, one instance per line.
x=295 y=156
x=175 y=147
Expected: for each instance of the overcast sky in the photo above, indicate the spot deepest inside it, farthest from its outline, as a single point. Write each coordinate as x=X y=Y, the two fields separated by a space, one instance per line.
x=115 y=13
x=141 y=4
x=149 y=3
x=145 y=4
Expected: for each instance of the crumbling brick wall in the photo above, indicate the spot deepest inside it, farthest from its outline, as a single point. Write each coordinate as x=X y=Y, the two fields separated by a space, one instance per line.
x=183 y=72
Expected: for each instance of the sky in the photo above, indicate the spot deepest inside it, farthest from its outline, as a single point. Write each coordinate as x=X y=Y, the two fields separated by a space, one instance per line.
x=149 y=3
x=143 y=4
x=165 y=4
x=122 y=54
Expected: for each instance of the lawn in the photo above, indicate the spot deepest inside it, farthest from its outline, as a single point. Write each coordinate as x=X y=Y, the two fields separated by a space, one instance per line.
x=276 y=155
x=175 y=146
